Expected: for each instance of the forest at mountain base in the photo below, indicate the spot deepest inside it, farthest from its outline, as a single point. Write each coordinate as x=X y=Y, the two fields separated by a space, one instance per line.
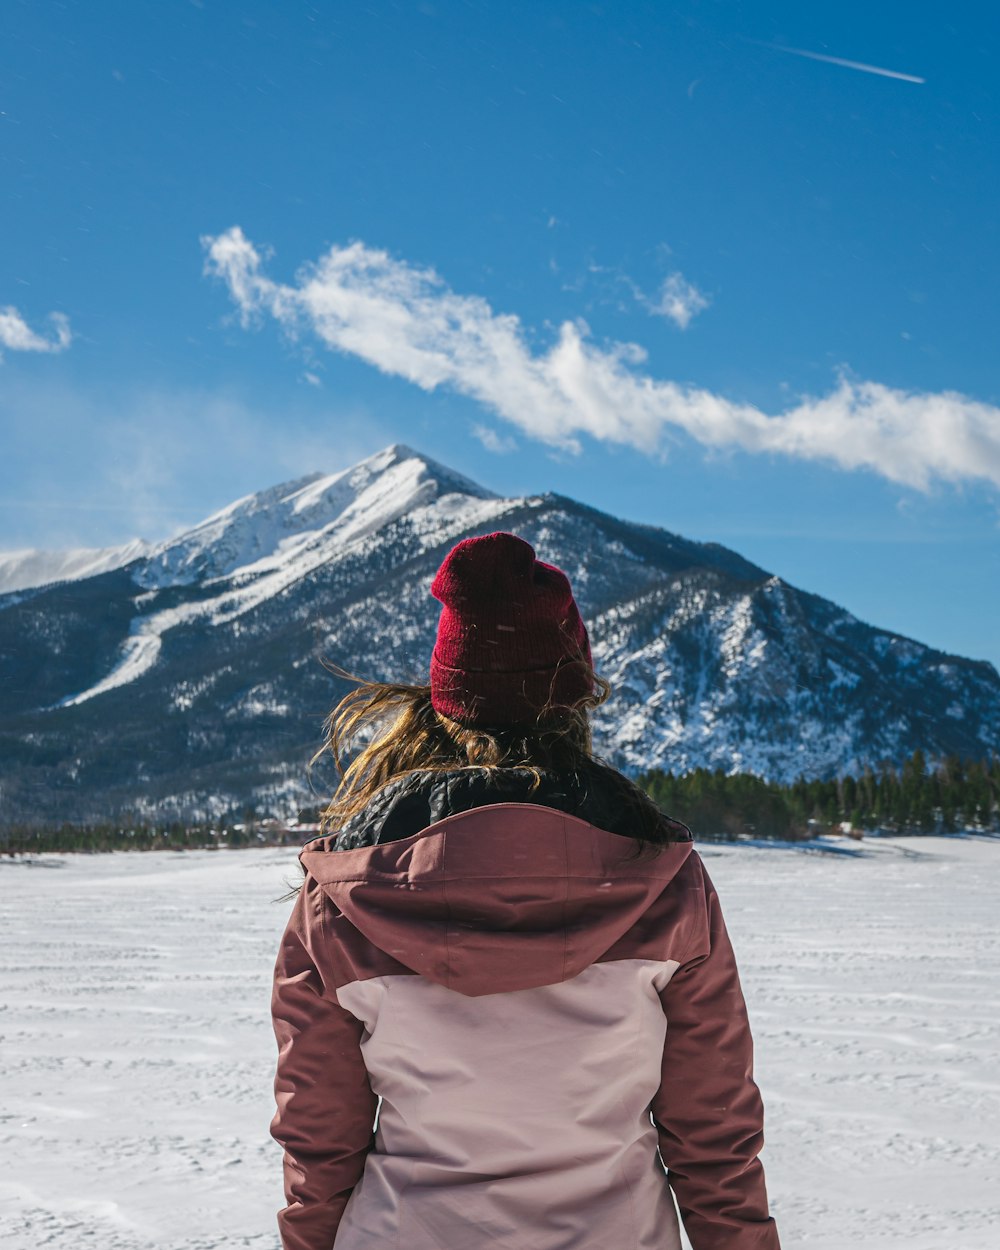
x=956 y=795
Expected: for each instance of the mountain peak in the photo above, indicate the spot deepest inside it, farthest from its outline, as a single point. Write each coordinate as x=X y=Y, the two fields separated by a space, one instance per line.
x=278 y=520
x=400 y=451
x=448 y=478
x=355 y=500
x=714 y=662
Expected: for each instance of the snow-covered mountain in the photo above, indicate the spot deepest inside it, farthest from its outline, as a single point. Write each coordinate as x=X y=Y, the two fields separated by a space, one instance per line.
x=185 y=678
x=289 y=528
x=31 y=567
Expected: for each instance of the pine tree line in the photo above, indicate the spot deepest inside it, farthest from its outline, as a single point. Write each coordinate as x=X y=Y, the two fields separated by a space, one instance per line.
x=144 y=836
x=955 y=794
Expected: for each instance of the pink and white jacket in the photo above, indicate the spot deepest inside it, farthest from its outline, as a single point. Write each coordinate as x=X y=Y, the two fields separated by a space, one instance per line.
x=497 y=1031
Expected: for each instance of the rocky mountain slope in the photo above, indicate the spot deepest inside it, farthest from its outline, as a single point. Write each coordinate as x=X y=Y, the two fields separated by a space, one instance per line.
x=186 y=680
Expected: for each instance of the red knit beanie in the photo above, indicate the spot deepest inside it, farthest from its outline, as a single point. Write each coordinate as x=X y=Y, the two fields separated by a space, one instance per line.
x=510 y=640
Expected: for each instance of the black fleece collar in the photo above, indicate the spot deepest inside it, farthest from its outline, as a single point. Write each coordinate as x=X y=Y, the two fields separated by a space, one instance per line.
x=411 y=803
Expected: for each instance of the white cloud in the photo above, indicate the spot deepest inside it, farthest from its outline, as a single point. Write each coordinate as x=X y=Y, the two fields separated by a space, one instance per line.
x=17 y=335
x=407 y=322
x=679 y=300
x=492 y=441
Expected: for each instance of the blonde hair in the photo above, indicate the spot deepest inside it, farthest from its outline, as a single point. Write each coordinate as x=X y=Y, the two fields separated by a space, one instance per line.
x=391 y=729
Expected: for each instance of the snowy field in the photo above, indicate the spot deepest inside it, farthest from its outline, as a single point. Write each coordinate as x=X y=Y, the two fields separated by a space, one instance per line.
x=138 y=1054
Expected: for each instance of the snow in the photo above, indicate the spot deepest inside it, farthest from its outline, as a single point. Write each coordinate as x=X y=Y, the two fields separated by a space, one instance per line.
x=741 y=644
x=270 y=529
x=713 y=675
x=257 y=547
x=138 y=1054
x=139 y=653
x=30 y=567
x=841 y=676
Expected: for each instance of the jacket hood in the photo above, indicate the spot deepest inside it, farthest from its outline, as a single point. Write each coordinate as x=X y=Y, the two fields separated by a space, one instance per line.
x=502 y=897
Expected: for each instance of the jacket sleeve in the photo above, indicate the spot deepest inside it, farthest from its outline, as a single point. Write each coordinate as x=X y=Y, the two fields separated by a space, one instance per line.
x=326 y=1107
x=708 y=1110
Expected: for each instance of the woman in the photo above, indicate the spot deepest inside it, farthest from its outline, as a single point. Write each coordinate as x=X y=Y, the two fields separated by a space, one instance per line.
x=507 y=952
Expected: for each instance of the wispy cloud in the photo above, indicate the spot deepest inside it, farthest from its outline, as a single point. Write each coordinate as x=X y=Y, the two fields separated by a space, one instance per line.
x=17 y=336
x=838 y=60
x=500 y=444
x=406 y=322
x=95 y=466
x=678 y=300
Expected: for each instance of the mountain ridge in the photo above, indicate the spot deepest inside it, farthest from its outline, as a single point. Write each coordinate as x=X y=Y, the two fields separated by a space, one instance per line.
x=188 y=682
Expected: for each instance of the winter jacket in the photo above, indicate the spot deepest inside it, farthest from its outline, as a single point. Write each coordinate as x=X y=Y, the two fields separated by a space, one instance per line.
x=540 y=1025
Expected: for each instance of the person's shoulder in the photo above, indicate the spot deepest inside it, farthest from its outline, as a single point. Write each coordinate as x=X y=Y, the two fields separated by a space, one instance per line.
x=355 y=830
x=402 y=805
x=618 y=803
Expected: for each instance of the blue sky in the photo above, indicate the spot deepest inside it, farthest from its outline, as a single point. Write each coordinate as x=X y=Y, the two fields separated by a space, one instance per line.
x=650 y=255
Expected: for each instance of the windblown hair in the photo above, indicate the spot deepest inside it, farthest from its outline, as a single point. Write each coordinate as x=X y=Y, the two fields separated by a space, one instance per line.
x=390 y=729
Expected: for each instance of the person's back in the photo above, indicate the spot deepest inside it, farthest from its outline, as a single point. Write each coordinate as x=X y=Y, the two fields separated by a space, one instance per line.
x=506 y=954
